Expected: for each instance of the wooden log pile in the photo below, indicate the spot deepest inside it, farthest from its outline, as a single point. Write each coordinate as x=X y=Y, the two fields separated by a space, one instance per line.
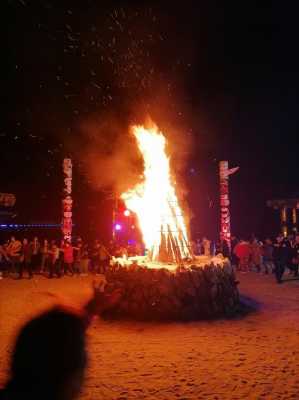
x=191 y=293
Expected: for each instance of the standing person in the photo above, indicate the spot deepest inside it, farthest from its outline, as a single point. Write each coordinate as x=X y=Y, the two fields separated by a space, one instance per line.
x=282 y=257
x=198 y=247
x=84 y=263
x=111 y=247
x=213 y=248
x=78 y=256
x=267 y=252
x=25 y=261
x=35 y=249
x=68 y=258
x=243 y=251
x=296 y=247
x=225 y=249
x=4 y=261
x=53 y=260
x=193 y=247
x=256 y=255
x=44 y=250
x=295 y=256
x=95 y=256
x=61 y=256
x=14 y=253
x=206 y=243
x=104 y=258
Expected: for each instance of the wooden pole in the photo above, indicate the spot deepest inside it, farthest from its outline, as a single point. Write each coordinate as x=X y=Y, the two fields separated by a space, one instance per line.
x=225 y=225
x=67 y=201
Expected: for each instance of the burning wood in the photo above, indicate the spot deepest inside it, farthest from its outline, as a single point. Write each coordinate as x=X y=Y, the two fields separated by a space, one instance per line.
x=155 y=202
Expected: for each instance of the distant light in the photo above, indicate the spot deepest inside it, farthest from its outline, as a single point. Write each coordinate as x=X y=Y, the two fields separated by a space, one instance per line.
x=127 y=213
x=118 y=227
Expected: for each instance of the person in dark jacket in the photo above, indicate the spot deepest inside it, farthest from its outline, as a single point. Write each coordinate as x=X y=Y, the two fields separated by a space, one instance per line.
x=282 y=256
x=267 y=252
x=25 y=261
x=225 y=250
x=295 y=256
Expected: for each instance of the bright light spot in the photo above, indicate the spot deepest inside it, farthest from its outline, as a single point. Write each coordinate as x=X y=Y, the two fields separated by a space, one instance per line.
x=118 y=227
x=127 y=213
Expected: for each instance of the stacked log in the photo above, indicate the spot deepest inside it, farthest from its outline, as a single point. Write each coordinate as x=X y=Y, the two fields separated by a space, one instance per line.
x=191 y=293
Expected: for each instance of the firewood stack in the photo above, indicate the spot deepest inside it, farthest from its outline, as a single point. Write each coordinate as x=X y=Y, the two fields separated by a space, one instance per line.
x=191 y=293
x=171 y=249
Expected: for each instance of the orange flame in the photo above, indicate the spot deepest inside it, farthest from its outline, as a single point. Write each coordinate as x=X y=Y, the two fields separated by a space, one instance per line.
x=155 y=202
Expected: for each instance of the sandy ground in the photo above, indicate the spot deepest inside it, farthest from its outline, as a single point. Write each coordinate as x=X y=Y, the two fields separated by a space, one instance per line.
x=254 y=357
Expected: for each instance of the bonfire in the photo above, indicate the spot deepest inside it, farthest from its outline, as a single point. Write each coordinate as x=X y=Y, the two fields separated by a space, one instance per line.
x=155 y=201
x=169 y=282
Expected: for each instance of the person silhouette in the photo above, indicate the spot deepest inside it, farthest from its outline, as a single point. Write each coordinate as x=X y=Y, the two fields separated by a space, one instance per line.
x=49 y=357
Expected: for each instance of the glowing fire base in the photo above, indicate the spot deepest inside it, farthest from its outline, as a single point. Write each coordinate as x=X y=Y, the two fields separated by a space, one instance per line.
x=194 y=292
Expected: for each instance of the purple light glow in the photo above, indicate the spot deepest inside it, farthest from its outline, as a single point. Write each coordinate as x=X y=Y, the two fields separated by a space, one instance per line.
x=118 y=227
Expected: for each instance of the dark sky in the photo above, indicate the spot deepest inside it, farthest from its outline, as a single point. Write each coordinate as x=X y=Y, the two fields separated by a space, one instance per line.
x=227 y=75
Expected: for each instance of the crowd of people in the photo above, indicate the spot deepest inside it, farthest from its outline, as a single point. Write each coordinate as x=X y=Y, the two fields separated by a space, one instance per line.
x=55 y=259
x=269 y=256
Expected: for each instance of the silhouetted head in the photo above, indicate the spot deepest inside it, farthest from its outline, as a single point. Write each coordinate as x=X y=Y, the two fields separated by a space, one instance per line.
x=49 y=357
x=279 y=239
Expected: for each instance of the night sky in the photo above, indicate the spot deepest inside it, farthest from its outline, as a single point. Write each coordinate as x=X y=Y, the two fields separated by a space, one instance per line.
x=225 y=76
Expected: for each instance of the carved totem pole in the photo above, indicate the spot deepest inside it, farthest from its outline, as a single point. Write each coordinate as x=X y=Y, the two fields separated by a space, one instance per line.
x=224 y=173
x=67 y=201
